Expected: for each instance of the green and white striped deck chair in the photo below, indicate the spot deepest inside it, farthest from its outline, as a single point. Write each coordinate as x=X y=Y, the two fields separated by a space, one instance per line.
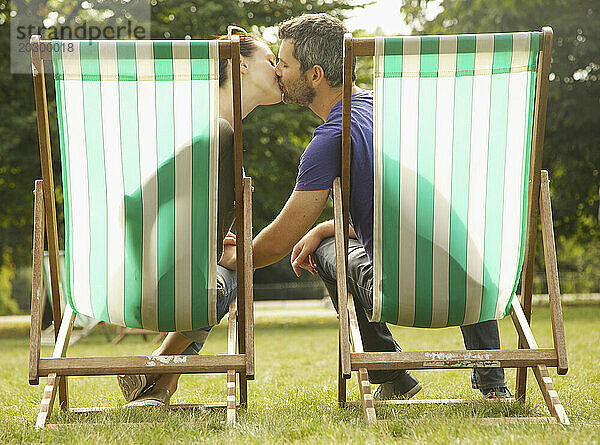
x=139 y=143
x=458 y=133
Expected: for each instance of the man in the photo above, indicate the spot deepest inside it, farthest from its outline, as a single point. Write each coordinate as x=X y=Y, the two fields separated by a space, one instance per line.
x=310 y=74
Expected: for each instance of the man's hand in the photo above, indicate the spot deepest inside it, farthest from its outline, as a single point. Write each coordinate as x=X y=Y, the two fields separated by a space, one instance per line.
x=229 y=258
x=293 y=222
x=301 y=257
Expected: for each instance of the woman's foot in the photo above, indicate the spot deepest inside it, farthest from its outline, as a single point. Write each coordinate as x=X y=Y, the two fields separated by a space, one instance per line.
x=133 y=386
x=153 y=397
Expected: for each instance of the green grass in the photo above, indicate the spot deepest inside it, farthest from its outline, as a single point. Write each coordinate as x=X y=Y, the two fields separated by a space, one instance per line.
x=293 y=396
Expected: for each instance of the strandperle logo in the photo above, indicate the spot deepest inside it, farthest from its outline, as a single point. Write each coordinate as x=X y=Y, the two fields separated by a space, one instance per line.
x=106 y=20
x=83 y=32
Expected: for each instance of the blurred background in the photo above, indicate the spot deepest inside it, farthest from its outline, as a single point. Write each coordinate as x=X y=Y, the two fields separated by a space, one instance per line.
x=275 y=136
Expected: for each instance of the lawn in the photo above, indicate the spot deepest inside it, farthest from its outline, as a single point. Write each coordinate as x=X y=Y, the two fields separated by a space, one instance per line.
x=293 y=398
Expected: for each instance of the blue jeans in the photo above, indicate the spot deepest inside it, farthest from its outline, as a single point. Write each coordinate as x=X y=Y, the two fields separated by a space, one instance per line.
x=226 y=293
x=377 y=337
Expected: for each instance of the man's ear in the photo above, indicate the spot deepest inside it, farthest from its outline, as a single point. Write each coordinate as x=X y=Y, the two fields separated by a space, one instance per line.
x=315 y=75
x=243 y=67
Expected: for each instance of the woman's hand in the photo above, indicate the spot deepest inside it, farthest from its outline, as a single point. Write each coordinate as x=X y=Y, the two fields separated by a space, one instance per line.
x=229 y=258
x=301 y=257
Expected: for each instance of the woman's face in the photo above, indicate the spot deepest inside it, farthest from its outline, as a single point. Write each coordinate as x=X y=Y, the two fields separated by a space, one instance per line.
x=261 y=75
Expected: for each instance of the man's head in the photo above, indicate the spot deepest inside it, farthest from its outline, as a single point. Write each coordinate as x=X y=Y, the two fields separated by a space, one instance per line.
x=311 y=50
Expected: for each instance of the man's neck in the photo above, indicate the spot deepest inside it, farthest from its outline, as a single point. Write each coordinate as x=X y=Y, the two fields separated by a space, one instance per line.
x=325 y=100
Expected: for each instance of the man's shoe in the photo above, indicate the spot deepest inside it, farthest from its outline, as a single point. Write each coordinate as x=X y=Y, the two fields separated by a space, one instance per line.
x=499 y=392
x=404 y=387
x=154 y=397
x=132 y=386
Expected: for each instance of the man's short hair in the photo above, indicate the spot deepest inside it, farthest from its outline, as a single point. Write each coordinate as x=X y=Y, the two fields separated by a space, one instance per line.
x=318 y=40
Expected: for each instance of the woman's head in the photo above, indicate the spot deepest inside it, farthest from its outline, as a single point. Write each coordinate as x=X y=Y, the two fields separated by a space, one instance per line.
x=257 y=66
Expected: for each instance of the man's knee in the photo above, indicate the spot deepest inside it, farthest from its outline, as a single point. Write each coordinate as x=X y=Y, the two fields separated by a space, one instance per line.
x=326 y=251
x=324 y=257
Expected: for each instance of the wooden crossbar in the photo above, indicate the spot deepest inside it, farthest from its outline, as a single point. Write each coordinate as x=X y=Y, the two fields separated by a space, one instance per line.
x=164 y=364
x=494 y=358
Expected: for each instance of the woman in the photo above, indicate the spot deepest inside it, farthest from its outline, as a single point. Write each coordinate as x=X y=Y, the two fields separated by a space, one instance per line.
x=259 y=87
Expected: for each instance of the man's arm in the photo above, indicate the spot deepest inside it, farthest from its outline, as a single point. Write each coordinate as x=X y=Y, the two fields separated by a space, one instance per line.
x=277 y=239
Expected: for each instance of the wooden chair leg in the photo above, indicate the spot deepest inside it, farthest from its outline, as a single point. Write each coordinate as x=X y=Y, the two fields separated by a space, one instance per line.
x=550 y=395
x=341 y=257
x=341 y=380
x=106 y=330
x=84 y=332
x=521 y=383
x=540 y=371
x=231 y=392
x=243 y=381
x=47 y=401
x=242 y=376
x=558 y=329
x=158 y=338
x=344 y=366
x=53 y=383
x=231 y=375
x=247 y=293
x=363 y=376
x=36 y=285
x=120 y=336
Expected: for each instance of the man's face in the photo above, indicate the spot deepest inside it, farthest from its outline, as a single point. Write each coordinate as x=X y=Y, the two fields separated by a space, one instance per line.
x=293 y=83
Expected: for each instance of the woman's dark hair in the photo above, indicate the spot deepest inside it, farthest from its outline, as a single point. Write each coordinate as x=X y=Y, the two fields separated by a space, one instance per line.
x=248 y=45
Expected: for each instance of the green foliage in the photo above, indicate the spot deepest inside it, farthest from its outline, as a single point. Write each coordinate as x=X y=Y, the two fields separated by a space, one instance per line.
x=8 y=306
x=572 y=140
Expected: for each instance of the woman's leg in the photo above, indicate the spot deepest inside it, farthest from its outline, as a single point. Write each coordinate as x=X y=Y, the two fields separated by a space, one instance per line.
x=191 y=342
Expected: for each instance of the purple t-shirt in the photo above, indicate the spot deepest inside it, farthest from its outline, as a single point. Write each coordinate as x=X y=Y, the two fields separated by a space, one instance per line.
x=321 y=163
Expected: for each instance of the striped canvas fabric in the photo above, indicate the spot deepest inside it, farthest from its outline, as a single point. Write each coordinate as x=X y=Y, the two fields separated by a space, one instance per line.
x=453 y=125
x=138 y=127
x=81 y=321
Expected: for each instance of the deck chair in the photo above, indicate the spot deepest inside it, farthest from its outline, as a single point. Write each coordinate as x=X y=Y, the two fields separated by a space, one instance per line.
x=138 y=125
x=458 y=134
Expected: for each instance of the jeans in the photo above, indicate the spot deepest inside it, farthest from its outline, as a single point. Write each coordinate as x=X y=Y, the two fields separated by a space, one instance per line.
x=226 y=293
x=377 y=337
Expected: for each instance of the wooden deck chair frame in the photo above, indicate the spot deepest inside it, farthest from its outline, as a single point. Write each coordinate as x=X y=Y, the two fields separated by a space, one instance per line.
x=529 y=355
x=241 y=328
